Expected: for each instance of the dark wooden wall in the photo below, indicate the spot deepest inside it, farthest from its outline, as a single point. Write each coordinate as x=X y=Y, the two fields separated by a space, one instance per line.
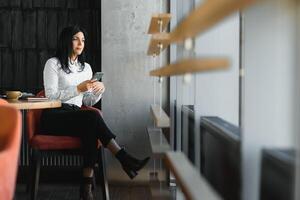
x=29 y=31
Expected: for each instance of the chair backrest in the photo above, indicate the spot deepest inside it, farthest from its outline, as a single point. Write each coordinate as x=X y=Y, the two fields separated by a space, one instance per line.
x=3 y=135
x=10 y=133
x=41 y=93
x=3 y=102
x=6 y=124
x=33 y=119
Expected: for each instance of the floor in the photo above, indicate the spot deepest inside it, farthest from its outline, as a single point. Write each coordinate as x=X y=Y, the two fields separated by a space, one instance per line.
x=71 y=192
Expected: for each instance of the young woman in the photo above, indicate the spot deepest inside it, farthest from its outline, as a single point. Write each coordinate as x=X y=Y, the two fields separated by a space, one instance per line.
x=67 y=77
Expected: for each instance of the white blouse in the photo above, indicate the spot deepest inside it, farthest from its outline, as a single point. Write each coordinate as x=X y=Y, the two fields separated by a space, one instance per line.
x=62 y=86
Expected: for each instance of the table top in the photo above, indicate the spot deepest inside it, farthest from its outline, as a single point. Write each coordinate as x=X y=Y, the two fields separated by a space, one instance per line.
x=26 y=105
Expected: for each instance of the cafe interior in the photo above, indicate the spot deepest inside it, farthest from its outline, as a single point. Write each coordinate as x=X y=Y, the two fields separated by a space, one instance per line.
x=208 y=89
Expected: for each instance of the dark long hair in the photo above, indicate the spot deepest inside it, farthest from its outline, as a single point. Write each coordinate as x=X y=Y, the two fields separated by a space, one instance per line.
x=65 y=47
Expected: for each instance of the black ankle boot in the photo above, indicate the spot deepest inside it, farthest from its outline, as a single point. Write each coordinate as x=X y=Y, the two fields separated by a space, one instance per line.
x=86 y=189
x=130 y=164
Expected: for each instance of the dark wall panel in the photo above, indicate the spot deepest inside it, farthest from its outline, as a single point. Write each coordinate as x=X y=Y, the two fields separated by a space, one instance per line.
x=95 y=61
x=96 y=29
x=62 y=21
x=74 y=17
x=43 y=57
x=84 y=4
x=52 y=29
x=72 y=3
x=38 y=3
x=17 y=29
x=4 y=3
x=97 y=4
x=86 y=15
x=60 y=3
x=26 y=3
x=15 y=3
x=19 y=75
x=5 y=24
x=50 y=3
x=31 y=70
x=41 y=30
x=29 y=29
x=7 y=69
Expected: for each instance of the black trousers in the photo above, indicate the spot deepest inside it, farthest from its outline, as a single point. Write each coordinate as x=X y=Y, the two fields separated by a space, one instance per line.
x=88 y=125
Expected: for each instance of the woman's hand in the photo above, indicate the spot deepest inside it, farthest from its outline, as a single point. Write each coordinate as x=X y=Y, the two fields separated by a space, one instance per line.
x=98 y=87
x=85 y=85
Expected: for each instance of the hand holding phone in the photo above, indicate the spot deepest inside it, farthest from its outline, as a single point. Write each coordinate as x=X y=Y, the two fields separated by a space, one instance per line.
x=85 y=85
x=97 y=76
x=98 y=87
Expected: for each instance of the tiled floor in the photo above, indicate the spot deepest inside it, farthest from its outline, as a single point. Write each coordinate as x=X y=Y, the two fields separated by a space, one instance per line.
x=71 y=192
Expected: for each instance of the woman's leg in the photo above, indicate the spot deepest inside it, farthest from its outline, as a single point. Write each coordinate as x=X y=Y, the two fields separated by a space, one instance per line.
x=130 y=164
x=90 y=126
x=69 y=122
x=113 y=147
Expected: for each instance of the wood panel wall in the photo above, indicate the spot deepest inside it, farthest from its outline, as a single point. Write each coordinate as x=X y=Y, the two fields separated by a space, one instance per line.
x=29 y=32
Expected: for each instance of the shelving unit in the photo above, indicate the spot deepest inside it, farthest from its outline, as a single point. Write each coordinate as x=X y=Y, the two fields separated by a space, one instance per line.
x=202 y=18
x=192 y=66
x=161 y=119
x=158 y=142
x=158 y=43
x=159 y=22
x=206 y=15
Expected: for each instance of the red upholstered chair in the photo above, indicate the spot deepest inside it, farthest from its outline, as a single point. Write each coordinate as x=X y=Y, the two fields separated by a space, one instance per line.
x=10 y=138
x=58 y=144
x=2 y=102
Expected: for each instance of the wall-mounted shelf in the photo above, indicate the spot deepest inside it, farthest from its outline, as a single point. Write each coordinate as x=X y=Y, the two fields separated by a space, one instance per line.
x=160 y=193
x=156 y=19
x=191 y=66
x=192 y=184
x=158 y=142
x=203 y=17
x=161 y=119
x=155 y=42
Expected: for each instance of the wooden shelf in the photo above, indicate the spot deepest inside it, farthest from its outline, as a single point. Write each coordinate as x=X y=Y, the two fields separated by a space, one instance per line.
x=191 y=66
x=154 y=23
x=160 y=193
x=203 y=17
x=155 y=42
x=159 y=189
x=192 y=184
x=161 y=119
x=158 y=142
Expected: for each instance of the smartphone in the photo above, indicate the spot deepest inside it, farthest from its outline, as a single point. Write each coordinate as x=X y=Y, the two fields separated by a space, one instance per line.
x=97 y=76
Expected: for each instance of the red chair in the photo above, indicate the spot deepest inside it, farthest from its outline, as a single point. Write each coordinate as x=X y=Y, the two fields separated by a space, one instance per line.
x=3 y=102
x=59 y=144
x=10 y=139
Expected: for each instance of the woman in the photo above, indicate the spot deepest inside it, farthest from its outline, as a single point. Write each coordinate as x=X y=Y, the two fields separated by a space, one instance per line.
x=67 y=77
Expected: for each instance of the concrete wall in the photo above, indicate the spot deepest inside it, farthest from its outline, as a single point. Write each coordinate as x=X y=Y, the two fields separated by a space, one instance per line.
x=129 y=89
x=218 y=93
x=270 y=85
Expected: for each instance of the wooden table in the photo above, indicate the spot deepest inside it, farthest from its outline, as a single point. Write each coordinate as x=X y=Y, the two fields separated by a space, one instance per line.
x=27 y=105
